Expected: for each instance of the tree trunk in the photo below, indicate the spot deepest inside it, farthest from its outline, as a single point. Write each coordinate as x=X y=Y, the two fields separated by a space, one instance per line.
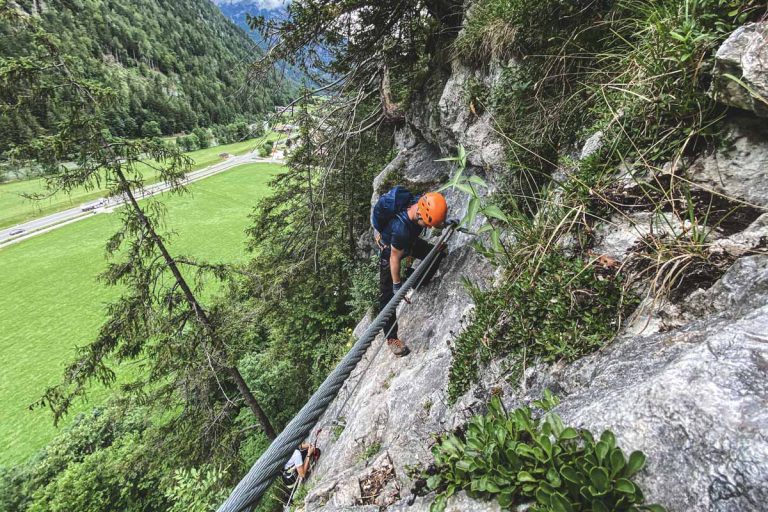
x=392 y=111
x=200 y=313
x=261 y=416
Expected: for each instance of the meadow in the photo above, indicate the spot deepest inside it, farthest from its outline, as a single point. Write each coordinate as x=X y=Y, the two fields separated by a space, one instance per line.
x=51 y=301
x=16 y=208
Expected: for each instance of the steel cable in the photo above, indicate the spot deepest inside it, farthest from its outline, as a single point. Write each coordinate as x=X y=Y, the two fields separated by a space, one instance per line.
x=261 y=474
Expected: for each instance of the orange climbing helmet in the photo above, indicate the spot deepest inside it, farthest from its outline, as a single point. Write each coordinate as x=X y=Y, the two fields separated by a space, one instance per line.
x=433 y=208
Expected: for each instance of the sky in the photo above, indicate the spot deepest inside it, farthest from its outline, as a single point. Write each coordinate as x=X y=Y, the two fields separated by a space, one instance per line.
x=263 y=4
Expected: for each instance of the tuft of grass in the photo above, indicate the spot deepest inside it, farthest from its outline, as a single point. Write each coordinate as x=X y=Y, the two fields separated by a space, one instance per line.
x=550 y=309
x=370 y=450
x=388 y=381
x=338 y=427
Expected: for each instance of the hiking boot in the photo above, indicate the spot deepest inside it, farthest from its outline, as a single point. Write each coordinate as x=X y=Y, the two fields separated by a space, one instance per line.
x=398 y=347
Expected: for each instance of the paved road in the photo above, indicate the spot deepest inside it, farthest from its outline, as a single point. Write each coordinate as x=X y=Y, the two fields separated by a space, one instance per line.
x=34 y=227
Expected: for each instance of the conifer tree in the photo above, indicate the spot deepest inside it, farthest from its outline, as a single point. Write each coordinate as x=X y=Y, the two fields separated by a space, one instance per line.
x=159 y=317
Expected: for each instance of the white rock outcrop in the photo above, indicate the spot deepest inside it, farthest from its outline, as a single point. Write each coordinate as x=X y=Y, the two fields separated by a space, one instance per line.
x=741 y=69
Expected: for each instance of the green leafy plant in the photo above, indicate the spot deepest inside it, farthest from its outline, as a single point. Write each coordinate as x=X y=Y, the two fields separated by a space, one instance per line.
x=515 y=457
x=198 y=489
x=370 y=450
x=479 y=204
x=549 y=309
x=297 y=503
x=338 y=427
x=476 y=95
x=388 y=381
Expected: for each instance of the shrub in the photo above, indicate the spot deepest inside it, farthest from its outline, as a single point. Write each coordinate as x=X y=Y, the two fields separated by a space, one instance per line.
x=550 y=309
x=364 y=293
x=203 y=136
x=266 y=149
x=151 y=129
x=517 y=458
x=188 y=142
x=197 y=489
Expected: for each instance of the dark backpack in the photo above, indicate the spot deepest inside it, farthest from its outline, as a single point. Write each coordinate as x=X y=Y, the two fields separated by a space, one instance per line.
x=389 y=205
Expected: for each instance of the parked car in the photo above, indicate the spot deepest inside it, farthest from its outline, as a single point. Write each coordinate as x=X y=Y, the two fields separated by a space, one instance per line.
x=89 y=207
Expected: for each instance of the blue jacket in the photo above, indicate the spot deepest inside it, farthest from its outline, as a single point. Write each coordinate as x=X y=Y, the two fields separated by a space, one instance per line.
x=400 y=233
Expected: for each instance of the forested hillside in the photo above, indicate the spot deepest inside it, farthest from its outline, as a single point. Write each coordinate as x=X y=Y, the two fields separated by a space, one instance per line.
x=241 y=11
x=171 y=65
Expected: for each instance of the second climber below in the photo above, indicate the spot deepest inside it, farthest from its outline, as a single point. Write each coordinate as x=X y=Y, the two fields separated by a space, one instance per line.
x=398 y=220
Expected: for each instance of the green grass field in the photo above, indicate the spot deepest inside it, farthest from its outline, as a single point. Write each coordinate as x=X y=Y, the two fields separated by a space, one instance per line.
x=15 y=208
x=50 y=301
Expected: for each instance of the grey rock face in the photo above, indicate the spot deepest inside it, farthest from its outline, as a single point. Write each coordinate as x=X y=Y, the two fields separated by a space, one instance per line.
x=744 y=56
x=741 y=170
x=415 y=164
x=395 y=404
x=592 y=145
x=475 y=133
x=747 y=241
x=694 y=400
x=445 y=120
x=617 y=237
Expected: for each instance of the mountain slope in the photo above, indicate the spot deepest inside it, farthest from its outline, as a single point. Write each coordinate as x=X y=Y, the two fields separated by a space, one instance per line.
x=177 y=64
x=238 y=12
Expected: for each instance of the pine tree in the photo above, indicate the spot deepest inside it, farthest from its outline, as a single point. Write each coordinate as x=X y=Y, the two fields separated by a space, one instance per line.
x=159 y=316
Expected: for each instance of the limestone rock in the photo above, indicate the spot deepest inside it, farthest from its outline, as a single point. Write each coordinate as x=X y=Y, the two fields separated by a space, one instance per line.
x=754 y=238
x=416 y=164
x=474 y=132
x=692 y=399
x=397 y=403
x=592 y=145
x=444 y=118
x=458 y=503
x=741 y=170
x=744 y=56
x=623 y=232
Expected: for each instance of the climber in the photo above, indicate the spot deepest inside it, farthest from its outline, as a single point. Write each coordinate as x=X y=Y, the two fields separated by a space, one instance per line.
x=299 y=464
x=398 y=219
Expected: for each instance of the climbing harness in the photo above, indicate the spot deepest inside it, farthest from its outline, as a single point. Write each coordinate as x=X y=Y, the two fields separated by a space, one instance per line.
x=261 y=474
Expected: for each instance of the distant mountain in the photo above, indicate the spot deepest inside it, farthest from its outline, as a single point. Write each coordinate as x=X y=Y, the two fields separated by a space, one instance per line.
x=238 y=10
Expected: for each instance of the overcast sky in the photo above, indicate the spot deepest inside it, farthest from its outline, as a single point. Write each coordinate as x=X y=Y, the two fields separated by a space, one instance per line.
x=264 y=4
